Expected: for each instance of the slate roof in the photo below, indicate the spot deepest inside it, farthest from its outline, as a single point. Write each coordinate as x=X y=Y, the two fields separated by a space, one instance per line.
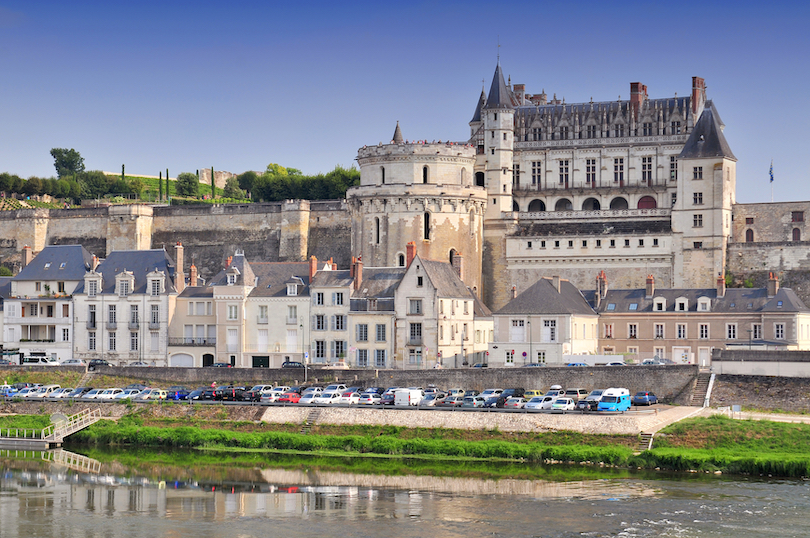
x=272 y=278
x=557 y=111
x=140 y=263
x=332 y=279
x=47 y=265
x=5 y=289
x=197 y=291
x=245 y=277
x=397 y=135
x=609 y=227
x=480 y=310
x=499 y=94
x=445 y=279
x=379 y=282
x=735 y=300
x=707 y=139
x=481 y=102
x=542 y=298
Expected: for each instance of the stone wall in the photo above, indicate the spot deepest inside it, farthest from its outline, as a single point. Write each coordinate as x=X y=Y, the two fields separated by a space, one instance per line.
x=761 y=363
x=789 y=394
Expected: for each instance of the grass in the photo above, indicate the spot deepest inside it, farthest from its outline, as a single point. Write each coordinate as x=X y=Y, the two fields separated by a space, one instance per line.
x=62 y=378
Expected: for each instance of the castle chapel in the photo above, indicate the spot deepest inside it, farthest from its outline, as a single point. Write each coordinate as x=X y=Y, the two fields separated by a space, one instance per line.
x=634 y=187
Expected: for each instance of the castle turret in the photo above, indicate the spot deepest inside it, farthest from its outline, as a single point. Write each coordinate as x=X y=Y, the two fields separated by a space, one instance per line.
x=498 y=115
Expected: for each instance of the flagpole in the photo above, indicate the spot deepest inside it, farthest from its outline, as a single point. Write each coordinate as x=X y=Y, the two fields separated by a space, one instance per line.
x=770 y=173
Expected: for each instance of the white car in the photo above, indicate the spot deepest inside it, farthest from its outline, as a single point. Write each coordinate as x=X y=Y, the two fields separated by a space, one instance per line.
x=331 y=397
x=350 y=398
x=563 y=404
x=109 y=394
x=491 y=393
x=335 y=386
x=61 y=393
x=27 y=392
x=73 y=362
x=127 y=393
x=271 y=393
x=93 y=394
x=308 y=398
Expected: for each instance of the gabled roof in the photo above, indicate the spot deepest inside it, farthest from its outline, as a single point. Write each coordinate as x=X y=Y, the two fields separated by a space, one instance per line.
x=58 y=262
x=444 y=278
x=139 y=263
x=332 y=279
x=499 y=94
x=272 y=278
x=542 y=298
x=707 y=139
x=245 y=276
x=379 y=282
x=734 y=300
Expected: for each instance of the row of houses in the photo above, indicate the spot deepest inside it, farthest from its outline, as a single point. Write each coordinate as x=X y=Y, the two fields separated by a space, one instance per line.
x=140 y=307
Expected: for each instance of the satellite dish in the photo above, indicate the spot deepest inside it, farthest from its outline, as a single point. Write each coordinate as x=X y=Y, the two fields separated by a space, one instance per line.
x=56 y=418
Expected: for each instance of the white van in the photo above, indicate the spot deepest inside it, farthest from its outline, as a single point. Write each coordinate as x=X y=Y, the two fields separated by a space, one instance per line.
x=46 y=391
x=406 y=397
x=38 y=360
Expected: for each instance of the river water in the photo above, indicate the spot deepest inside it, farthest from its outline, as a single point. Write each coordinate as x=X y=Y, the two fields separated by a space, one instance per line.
x=84 y=498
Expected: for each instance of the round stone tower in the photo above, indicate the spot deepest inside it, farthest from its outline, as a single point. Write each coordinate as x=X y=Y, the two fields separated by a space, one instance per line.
x=422 y=192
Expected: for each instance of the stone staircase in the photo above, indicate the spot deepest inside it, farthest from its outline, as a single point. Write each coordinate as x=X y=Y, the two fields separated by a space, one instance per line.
x=312 y=417
x=83 y=382
x=645 y=442
x=701 y=387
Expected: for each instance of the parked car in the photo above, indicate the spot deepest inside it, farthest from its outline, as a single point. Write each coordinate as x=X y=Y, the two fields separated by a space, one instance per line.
x=109 y=394
x=308 y=398
x=61 y=393
x=196 y=394
x=451 y=401
x=515 y=402
x=139 y=364
x=455 y=392
x=73 y=362
x=177 y=392
x=95 y=363
x=531 y=393
x=292 y=364
x=533 y=365
x=576 y=394
x=230 y=393
x=6 y=362
x=377 y=390
x=334 y=386
x=127 y=393
x=289 y=397
x=577 y=364
x=518 y=392
x=92 y=394
x=489 y=393
x=473 y=401
x=40 y=361
x=350 y=397
x=327 y=398
x=220 y=365
x=563 y=404
x=388 y=396
x=616 y=363
x=27 y=392
x=79 y=392
x=431 y=399
x=644 y=398
x=539 y=403
x=151 y=394
x=369 y=398
x=265 y=393
x=480 y=365
x=614 y=399
x=408 y=397
x=586 y=405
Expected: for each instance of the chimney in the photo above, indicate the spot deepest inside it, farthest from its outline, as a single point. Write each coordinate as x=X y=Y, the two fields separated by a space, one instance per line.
x=721 y=286
x=228 y=262
x=458 y=265
x=192 y=275
x=555 y=281
x=604 y=284
x=313 y=267
x=179 y=276
x=597 y=297
x=351 y=267
x=638 y=94
x=334 y=266
x=358 y=273
x=698 y=94
x=650 y=287
x=27 y=255
x=514 y=292
x=94 y=262
x=773 y=285
x=410 y=249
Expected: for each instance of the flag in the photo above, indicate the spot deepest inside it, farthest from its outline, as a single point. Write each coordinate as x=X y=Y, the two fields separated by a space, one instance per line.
x=771 y=171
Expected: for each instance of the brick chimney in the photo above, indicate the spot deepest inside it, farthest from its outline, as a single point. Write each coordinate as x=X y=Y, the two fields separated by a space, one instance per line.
x=458 y=265
x=228 y=262
x=638 y=94
x=313 y=267
x=721 y=286
x=192 y=275
x=698 y=94
x=514 y=292
x=179 y=275
x=650 y=287
x=94 y=262
x=773 y=285
x=351 y=267
x=27 y=255
x=410 y=250
x=358 y=273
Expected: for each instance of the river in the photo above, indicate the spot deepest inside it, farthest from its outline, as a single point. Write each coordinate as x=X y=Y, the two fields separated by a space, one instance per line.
x=47 y=495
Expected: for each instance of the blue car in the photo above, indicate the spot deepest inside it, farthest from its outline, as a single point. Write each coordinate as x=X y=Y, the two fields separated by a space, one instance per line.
x=645 y=398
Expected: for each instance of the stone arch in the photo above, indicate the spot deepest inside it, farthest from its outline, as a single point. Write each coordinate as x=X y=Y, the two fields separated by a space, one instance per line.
x=480 y=179
x=537 y=205
x=182 y=360
x=647 y=202
x=591 y=204
x=424 y=174
x=452 y=255
x=618 y=203
x=207 y=359
x=515 y=206
x=797 y=234
x=563 y=204
x=426 y=231
x=749 y=236
x=400 y=259
x=382 y=174
x=463 y=176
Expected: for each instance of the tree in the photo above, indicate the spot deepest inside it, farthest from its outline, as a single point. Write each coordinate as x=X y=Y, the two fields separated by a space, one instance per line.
x=68 y=162
x=96 y=183
x=232 y=189
x=33 y=186
x=5 y=271
x=248 y=180
x=187 y=184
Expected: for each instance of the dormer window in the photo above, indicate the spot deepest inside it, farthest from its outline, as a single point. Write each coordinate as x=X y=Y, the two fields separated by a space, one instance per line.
x=292 y=290
x=92 y=288
x=123 y=288
x=125 y=283
x=660 y=304
x=704 y=304
x=231 y=280
x=681 y=304
x=154 y=288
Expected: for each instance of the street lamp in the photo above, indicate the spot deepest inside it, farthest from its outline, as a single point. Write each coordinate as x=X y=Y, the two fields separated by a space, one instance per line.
x=529 y=323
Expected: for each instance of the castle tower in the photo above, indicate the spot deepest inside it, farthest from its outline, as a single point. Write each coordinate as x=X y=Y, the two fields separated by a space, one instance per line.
x=498 y=116
x=422 y=192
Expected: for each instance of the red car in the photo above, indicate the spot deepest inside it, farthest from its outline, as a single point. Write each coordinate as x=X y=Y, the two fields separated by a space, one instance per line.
x=289 y=397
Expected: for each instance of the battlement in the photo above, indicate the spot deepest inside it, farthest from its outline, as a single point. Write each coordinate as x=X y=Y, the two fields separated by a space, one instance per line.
x=418 y=148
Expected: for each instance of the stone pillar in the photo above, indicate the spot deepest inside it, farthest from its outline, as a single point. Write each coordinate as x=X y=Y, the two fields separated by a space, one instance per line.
x=129 y=227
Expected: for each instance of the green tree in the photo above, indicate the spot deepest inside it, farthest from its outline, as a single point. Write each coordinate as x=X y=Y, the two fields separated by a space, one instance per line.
x=232 y=189
x=187 y=184
x=33 y=186
x=68 y=162
x=5 y=271
x=136 y=185
x=95 y=183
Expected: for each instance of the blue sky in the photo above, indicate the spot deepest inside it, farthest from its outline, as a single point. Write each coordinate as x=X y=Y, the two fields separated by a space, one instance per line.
x=188 y=85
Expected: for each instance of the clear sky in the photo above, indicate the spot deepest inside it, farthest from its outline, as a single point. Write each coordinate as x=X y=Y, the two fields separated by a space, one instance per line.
x=238 y=85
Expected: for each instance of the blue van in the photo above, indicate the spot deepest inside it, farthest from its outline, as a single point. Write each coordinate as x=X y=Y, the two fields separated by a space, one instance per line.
x=614 y=400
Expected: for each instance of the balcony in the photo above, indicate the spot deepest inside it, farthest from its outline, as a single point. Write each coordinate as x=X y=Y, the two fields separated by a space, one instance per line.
x=134 y=325
x=154 y=325
x=111 y=325
x=91 y=325
x=415 y=341
x=292 y=321
x=261 y=320
x=192 y=341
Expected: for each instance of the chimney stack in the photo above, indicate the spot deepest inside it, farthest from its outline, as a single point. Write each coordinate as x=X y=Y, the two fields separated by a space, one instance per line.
x=514 y=292
x=179 y=276
x=698 y=94
x=638 y=94
x=597 y=297
x=192 y=275
x=650 y=287
x=358 y=273
x=313 y=267
x=604 y=284
x=228 y=262
x=351 y=267
x=410 y=249
x=555 y=281
x=721 y=286
x=773 y=285
x=94 y=262
x=27 y=255
x=458 y=265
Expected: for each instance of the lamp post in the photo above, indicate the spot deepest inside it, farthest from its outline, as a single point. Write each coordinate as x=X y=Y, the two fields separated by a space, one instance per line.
x=529 y=323
x=749 y=338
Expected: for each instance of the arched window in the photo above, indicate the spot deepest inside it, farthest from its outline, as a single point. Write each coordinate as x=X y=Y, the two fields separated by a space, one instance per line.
x=797 y=234
x=618 y=203
x=591 y=204
x=427 y=226
x=382 y=173
x=424 y=174
x=452 y=255
x=749 y=236
x=647 y=202
x=377 y=230
x=537 y=205
x=402 y=260
x=563 y=204
x=515 y=206
x=463 y=176
x=472 y=222
x=479 y=179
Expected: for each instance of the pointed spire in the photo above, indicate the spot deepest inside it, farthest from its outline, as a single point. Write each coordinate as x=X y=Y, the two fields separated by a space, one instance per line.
x=499 y=96
x=481 y=102
x=397 y=135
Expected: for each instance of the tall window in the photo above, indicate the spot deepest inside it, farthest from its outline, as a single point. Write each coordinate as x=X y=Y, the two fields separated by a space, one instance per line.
x=537 y=169
x=537 y=133
x=380 y=332
x=563 y=172
x=779 y=331
x=339 y=322
x=154 y=338
x=675 y=127
x=320 y=349
x=590 y=171
x=646 y=169
x=154 y=315
x=133 y=314
x=618 y=170
x=731 y=331
x=415 y=306
x=646 y=129
x=317 y=298
x=133 y=341
x=704 y=331
x=155 y=288
x=377 y=230
x=362 y=358
x=425 y=174
x=756 y=331
x=697 y=220
x=797 y=234
x=112 y=314
x=337 y=298
x=590 y=131
x=123 y=288
x=91 y=316
x=92 y=288
x=362 y=332
x=111 y=342
x=659 y=330
x=549 y=330
x=319 y=322
x=415 y=333
x=697 y=198
x=233 y=312
x=673 y=169
x=427 y=226
x=518 y=331
x=697 y=172
x=681 y=331
x=563 y=133
x=516 y=176
x=91 y=341
x=618 y=131
x=379 y=358
x=632 y=330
